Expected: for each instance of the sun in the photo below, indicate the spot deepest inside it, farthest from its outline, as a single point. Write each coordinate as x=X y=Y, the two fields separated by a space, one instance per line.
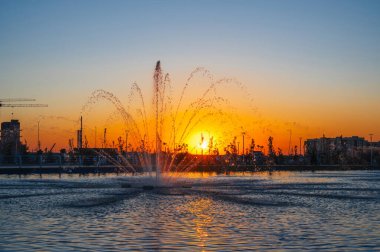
x=201 y=143
x=204 y=145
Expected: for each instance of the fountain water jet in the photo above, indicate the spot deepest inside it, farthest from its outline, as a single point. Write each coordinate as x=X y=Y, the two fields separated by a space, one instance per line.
x=157 y=77
x=173 y=125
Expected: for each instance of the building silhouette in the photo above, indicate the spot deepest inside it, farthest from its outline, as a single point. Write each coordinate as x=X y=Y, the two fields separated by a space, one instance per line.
x=336 y=150
x=10 y=144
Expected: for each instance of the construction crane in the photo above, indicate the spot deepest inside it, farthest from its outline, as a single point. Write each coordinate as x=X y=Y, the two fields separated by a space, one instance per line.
x=9 y=103
x=52 y=147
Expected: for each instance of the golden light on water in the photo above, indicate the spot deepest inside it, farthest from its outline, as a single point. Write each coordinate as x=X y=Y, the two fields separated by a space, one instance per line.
x=202 y=219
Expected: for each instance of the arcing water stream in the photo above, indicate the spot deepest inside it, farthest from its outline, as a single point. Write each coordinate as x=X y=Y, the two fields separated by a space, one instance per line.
x=160 y=139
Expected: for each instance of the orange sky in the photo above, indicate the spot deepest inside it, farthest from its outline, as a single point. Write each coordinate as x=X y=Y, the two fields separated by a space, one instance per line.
x=309 y=67
x=268 y=111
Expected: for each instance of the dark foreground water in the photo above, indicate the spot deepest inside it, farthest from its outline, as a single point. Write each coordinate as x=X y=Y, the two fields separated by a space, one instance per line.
x=284 y=211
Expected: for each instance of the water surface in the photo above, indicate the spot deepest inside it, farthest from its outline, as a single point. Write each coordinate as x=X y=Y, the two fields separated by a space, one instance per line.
x=203 y=212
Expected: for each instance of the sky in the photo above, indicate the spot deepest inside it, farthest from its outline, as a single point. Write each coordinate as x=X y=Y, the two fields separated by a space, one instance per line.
x=312 y=68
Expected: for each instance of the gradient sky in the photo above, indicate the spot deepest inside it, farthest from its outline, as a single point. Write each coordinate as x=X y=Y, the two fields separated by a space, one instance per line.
x=310 y=66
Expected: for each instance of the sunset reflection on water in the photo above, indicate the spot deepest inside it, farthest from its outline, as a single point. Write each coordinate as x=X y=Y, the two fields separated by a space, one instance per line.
x=202 y=218
x=203 y=212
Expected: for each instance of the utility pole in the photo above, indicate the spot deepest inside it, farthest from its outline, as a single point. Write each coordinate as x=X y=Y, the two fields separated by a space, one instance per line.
x=370 y=135
x=201 y=145
x=95 y=137
x=290 y=141
x=175 y=146
x=300 y=146
x=126 y=141
x=81 y=132
x=38 y=136
x=243 y=133
x=104 y=138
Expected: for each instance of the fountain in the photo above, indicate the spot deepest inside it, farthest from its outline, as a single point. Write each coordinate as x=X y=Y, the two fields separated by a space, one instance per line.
x=173 y=124
x=157 y=77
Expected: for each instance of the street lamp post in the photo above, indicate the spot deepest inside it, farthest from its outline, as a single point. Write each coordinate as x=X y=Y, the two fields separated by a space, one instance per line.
x=38 y=135
x=243 y=133
x=95 y=136
x=290 y=141
x=371 y=145
x=126 y=141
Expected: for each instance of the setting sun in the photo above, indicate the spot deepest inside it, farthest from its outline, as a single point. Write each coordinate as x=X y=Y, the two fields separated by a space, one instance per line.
x=203 y=145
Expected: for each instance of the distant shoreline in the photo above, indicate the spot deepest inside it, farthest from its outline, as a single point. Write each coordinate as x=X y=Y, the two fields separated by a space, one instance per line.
x=75 y=169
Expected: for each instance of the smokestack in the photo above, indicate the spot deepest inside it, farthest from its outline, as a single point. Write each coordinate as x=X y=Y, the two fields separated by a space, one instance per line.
x=78 y=139
x=158 y=66
x=81 y=132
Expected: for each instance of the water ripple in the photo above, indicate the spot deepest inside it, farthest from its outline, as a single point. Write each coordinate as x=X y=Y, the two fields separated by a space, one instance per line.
x=292 y=211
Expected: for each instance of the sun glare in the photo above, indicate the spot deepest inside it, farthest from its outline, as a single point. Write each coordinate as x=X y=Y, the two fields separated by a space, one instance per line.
x=203 y=145
x=199 y=143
